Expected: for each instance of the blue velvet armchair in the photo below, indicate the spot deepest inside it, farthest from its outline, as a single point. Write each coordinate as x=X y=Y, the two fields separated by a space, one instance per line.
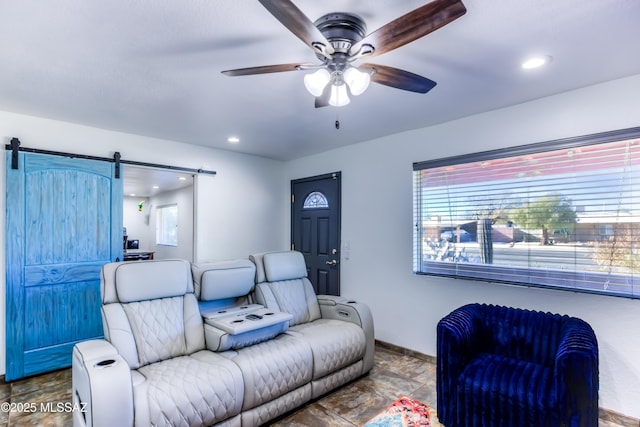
x=508 y=367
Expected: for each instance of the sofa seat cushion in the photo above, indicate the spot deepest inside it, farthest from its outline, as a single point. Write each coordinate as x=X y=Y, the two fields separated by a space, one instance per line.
x=334 y=343
x=197 y=390
x=273 y=368
x=521 y=391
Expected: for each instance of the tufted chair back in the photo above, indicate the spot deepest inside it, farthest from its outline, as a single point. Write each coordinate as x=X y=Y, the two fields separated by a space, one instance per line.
x=282 y=285
x=149 y=311
x=522 y=334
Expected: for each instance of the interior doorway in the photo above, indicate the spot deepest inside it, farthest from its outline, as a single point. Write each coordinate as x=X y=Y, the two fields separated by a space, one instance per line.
x=158 y=214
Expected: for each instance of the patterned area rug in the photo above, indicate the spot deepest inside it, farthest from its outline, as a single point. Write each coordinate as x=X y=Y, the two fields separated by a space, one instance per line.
x=404 y=412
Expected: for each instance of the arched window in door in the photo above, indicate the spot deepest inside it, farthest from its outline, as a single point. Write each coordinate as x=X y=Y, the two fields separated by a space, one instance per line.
x=315 y=200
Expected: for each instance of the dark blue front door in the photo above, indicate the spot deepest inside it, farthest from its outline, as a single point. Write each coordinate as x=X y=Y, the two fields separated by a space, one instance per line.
x=315 y=229
x=64 y=221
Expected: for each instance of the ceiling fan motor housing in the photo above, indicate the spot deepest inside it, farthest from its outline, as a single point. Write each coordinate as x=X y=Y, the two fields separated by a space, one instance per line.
x=342 y=30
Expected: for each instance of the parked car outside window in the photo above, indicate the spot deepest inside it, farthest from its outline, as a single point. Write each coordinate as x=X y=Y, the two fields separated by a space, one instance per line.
x=452 y=236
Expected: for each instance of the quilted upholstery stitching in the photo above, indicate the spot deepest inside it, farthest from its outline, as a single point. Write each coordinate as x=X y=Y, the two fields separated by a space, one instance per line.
x=270 y=410
x=158 y=328
x=274 y=367
x=335 y=344
x=291 y=298
x=186 y=391
x=336 y=379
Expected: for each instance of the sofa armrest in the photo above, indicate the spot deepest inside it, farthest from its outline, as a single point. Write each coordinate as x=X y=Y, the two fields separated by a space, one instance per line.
x=341 y=308
x=456 y=345
x=101 y=386
x=576 y=374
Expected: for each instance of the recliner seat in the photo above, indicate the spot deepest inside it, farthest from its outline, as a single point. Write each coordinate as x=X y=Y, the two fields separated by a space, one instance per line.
x=339 y=332
x=276 y=368
x=154 y=338
x=241 y=355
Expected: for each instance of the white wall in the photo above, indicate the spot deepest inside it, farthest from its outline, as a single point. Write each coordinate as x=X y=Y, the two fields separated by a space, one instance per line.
x=377 y=226
x=238 y=211
x=136 y=222
x=241 y=209
x=183 y=199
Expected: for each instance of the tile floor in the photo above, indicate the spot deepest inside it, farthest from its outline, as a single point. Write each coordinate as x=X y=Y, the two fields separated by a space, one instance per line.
x=394 y=374
x=42 y=399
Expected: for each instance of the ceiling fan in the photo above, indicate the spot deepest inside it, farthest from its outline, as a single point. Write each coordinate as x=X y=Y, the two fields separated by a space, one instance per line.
x=340 y=39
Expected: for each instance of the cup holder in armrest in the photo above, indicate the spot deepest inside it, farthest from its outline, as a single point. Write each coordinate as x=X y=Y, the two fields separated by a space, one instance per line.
x=105 y=363
x=268 y=314
x=351 y=302
x=237 y=321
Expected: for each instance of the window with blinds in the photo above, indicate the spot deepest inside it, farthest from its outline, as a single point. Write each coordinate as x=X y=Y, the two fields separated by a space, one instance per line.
x=560 y=214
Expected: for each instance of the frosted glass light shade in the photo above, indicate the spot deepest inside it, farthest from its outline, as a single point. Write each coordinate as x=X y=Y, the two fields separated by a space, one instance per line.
x=339 y=95
x=316 y=81
x=357 y=80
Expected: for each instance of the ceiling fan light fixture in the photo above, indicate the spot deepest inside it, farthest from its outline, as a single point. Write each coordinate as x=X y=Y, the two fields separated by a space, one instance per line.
x=357 y=80
x=339 y=96
x=316 y=81
x=338 y=39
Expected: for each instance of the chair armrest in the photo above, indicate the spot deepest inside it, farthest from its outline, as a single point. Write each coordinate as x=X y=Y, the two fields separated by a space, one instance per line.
x=341 y=308
x=101 y=386
x=457 y=340
x=576 y=374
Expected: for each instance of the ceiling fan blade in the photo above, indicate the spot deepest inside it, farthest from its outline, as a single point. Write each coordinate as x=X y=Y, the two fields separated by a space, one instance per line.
x=299 y=24
x=399 y=79
x=411 y=26
x=265 y=69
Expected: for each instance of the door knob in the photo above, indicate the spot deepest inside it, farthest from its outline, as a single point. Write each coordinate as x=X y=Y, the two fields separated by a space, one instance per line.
x=332 y=262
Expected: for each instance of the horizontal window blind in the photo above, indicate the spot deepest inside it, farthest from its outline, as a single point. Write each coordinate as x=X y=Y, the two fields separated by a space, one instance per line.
x=563 y=214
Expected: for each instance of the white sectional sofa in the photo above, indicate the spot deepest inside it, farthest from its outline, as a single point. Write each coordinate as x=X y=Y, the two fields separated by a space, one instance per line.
x=233 y=343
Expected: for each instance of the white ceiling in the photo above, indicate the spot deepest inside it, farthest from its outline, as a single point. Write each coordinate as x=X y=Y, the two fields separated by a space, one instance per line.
x=141 y=182
x=153 y=67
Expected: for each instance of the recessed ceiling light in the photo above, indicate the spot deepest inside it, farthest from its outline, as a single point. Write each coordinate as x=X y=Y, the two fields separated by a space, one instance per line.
x=182 y=178
x=155 y=187
x=233 y=139
x=132 y=194
x=535 y=62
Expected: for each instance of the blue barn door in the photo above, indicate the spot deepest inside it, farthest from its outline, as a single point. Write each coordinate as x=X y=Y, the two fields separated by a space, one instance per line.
x=63 y=222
